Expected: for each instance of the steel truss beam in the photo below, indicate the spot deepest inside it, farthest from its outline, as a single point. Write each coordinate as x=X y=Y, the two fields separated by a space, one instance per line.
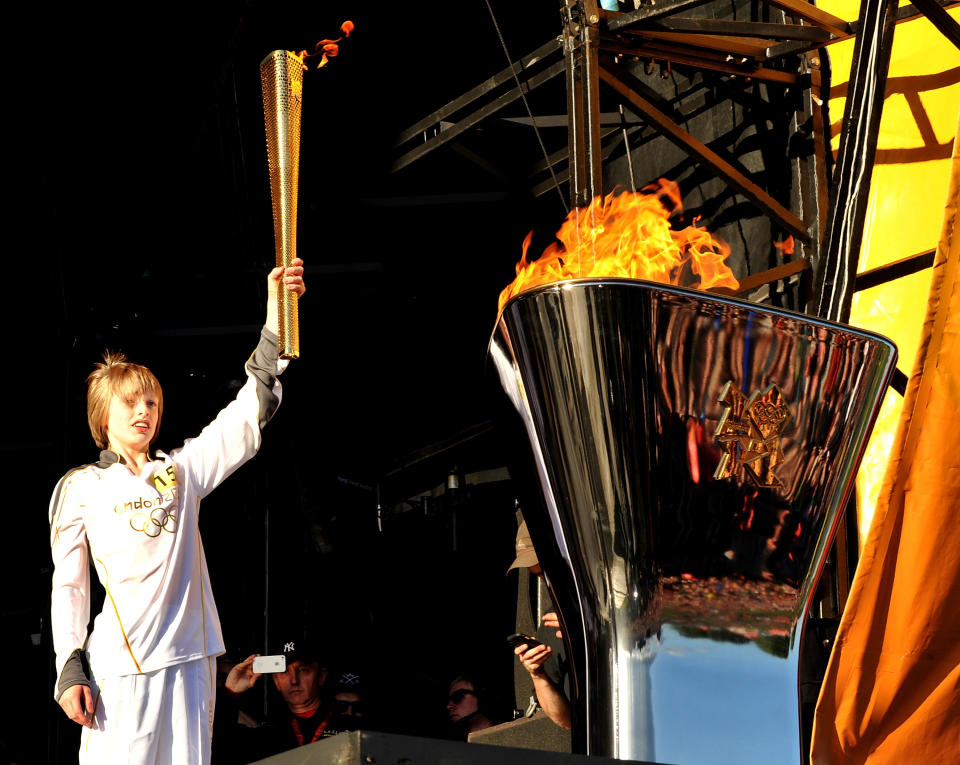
x=490 y=88
x=896 y=270
x=623 y=84
x=904 y=13
x=940 y=19
x=731 y=48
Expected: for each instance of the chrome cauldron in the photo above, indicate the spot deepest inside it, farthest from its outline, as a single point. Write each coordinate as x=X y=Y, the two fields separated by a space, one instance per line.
x=693 y=454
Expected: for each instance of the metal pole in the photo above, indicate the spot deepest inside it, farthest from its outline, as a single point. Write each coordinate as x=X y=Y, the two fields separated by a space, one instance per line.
x=837 y=268
x=581 y=40
x=266 y=594
x=858 y=148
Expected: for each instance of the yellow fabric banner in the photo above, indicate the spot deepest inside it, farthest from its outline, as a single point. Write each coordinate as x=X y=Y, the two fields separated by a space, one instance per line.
x=892 y=689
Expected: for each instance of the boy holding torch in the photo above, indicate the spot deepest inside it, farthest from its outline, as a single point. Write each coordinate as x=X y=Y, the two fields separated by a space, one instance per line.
x=142 y=683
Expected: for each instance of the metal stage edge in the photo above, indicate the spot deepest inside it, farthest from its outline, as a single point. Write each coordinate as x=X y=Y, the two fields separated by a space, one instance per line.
x=371 y=748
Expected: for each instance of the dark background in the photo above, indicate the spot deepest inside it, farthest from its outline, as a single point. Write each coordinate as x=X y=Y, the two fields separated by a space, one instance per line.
x=140 y=221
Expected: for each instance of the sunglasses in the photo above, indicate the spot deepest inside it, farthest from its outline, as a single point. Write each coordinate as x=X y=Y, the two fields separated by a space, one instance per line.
x=459 y=695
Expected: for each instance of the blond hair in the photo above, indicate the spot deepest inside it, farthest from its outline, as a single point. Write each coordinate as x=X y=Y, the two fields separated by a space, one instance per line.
x=116 y=375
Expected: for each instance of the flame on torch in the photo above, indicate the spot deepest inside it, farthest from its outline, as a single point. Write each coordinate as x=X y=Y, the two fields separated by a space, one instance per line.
x=628 y=235
x=326 y=49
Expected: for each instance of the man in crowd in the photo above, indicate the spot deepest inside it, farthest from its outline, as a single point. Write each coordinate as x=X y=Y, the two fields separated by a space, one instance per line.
x=349 y=704
x=547 y=666
x=307 y=715
x=464 y=710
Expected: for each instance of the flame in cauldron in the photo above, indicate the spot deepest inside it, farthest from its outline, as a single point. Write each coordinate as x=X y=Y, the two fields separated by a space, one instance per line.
x=628 y=235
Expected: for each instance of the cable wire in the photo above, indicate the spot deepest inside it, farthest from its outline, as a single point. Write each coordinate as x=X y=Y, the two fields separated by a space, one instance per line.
x=523 y=96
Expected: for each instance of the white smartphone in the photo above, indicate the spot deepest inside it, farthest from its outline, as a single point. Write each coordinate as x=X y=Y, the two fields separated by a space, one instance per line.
x=264 y=665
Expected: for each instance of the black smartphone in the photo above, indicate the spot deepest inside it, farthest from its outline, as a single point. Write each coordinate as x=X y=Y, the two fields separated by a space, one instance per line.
x=518 y=638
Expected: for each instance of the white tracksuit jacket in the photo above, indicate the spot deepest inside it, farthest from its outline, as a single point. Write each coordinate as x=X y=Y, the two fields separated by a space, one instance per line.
x=141 y=534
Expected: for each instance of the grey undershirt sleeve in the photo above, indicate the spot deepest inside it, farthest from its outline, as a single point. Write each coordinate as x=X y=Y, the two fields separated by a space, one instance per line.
x=74 y=673
x=262 y=364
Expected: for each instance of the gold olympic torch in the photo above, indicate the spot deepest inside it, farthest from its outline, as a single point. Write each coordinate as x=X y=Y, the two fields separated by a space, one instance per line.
x=281 y=75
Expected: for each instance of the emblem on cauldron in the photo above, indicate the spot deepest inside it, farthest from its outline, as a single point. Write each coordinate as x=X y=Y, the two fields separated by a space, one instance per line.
x=749 y=434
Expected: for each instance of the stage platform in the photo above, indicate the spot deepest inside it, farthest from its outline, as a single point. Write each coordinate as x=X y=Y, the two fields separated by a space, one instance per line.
x=370 y=748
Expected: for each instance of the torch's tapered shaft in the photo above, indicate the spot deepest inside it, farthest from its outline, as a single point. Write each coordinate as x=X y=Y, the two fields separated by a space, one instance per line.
x=281 y=75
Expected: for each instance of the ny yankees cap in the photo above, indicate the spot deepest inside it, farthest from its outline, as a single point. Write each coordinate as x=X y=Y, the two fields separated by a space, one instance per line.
x=298 y=646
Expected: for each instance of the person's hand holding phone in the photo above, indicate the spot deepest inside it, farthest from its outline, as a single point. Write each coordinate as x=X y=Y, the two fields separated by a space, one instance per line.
x=242 y=677
x=532 y=654
x=519 y=638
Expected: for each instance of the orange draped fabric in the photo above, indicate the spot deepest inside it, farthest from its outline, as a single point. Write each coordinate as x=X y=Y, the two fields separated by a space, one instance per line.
x=892 y=688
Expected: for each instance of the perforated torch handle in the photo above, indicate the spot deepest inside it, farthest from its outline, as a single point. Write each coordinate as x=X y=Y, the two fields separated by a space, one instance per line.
x=281 y=75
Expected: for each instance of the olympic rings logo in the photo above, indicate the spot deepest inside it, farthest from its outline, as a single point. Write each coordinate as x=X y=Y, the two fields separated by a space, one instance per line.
x=770 y=413
x=151 y=525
